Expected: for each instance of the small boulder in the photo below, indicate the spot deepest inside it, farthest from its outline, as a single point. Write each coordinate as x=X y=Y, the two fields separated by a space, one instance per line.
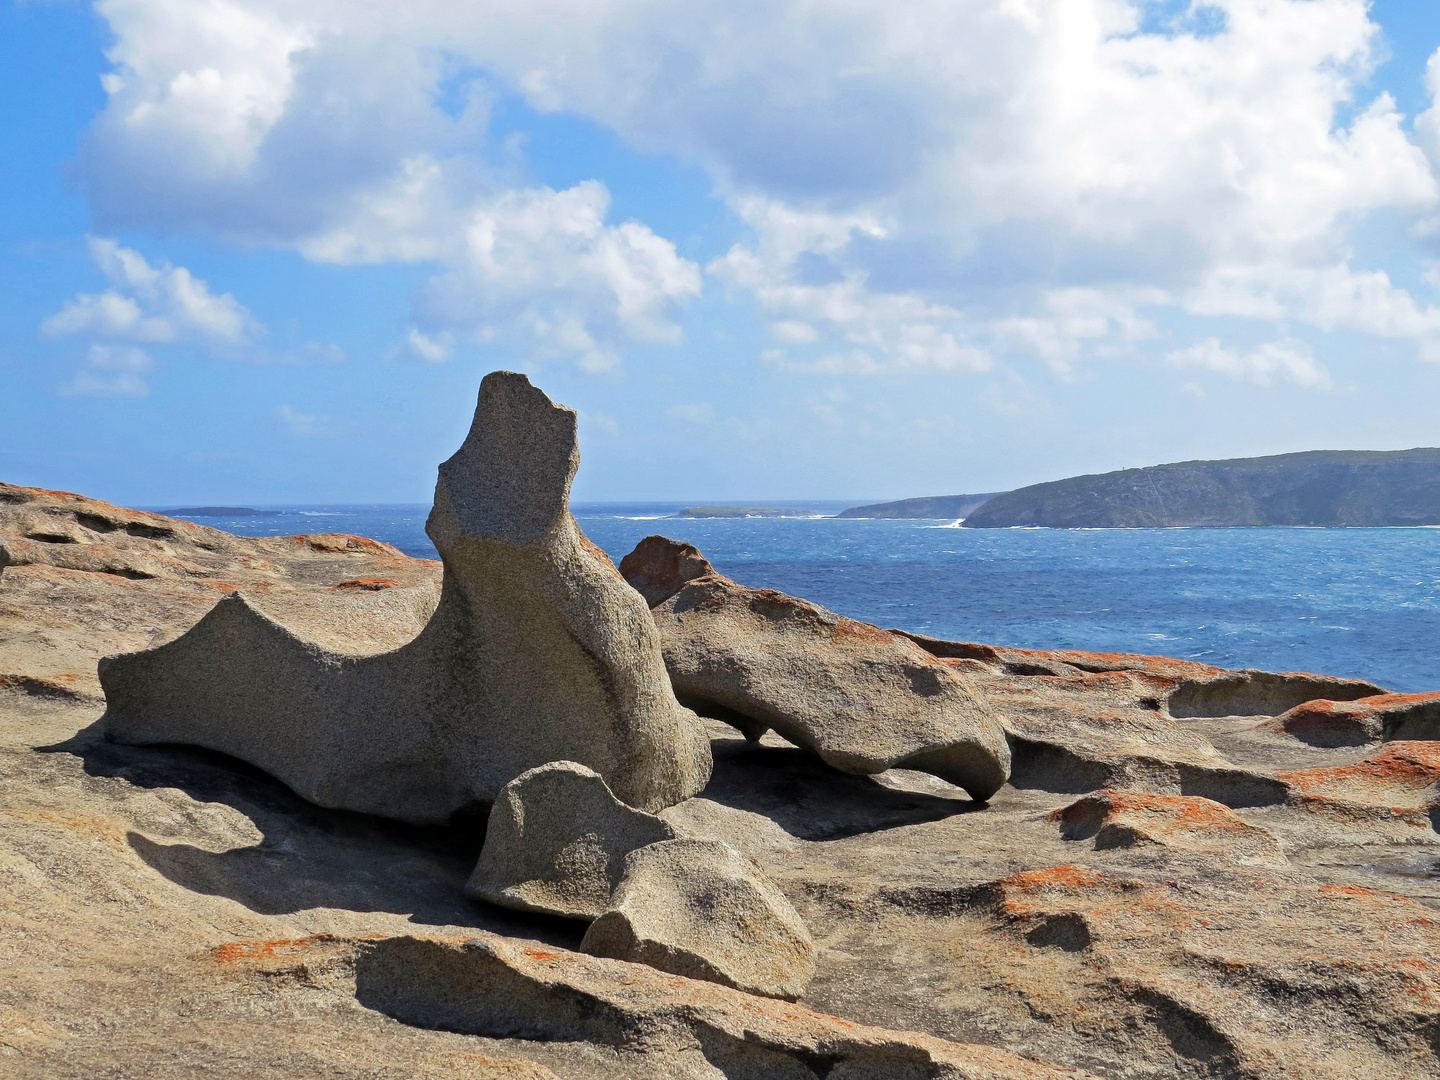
x=557 y=842
x=700 y=909
x=863 y=699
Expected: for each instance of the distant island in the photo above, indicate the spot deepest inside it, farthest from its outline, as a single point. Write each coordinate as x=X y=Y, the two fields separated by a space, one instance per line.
x=1318 y=488
x=730 y=512
x=934 y=506
x=224 y=511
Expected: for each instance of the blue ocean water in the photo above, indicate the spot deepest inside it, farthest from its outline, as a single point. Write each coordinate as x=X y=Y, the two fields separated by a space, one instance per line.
x=1363 y=603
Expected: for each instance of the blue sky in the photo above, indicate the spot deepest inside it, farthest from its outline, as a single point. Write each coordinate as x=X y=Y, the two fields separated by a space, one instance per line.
x=263 y=251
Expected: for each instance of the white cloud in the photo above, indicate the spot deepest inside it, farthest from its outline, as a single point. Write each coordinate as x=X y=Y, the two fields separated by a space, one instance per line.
x=703 y=414
x=1276 y=362
x=542 y=266
x=152 y=304
x=299 y=423
x=433 y=350
x=111 y=371
x=927 y=186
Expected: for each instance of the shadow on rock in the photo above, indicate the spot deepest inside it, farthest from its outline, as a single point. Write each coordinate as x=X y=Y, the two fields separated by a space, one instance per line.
x=310 y=857
x=812 y=801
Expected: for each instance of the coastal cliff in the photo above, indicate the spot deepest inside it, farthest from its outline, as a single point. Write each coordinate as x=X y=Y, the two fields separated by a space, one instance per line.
x=1334 y=488
x=934 y=506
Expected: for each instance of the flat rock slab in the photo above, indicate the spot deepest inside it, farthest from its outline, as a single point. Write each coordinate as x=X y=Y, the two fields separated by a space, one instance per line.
x=490 y=986
x=537 y=651
x=700 y=909
x=556 y=843
x=863 y=699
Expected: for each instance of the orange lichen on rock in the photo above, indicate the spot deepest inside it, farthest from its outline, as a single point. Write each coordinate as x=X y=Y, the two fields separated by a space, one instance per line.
x=1403 y=774
x=1364 y=720
x=1120 y=819
x=236 y=951
x=1064 y=877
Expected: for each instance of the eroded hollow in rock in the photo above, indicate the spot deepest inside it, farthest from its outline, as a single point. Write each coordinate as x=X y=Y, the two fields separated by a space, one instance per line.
x=1260 y=693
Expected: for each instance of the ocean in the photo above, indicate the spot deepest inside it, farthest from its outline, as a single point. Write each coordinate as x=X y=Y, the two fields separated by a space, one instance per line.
x=1363 y=603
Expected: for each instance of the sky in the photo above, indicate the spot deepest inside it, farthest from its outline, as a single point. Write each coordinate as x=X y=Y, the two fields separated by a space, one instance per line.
x=258 y=251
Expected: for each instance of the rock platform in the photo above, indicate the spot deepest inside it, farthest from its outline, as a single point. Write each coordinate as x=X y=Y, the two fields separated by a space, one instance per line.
x=1164 y=888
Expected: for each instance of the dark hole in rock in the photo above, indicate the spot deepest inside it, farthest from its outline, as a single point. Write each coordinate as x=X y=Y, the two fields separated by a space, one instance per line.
x=151 y=532
x=1064 y=931
x=96 y=523
x=1021 y=668
x=51 y=538
x=1151 y=703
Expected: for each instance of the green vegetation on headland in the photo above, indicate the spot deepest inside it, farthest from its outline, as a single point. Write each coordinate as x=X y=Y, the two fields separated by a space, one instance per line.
x=729 y=512
x=1316 y=488
x=935 y=506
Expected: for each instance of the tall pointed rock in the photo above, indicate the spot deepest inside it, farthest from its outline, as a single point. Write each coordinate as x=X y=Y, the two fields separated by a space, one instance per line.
x=538 y=652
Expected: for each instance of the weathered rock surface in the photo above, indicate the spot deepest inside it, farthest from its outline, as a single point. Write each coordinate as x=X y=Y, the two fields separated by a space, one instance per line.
x=169 y=913
x=1362 y=721
x=556 y=842
x=490 y=986
x=863 y=699
x=1078 y=721
x=699 y=908
x=538 y=651
x=1122 y=819
x=85 y=579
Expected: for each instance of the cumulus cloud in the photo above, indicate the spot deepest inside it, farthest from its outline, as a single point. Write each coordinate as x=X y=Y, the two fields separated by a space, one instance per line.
x=1275 y=362
x=299 y=423
x=151 y=304
x=542 y=266
x=924 y=187
x=111 y=371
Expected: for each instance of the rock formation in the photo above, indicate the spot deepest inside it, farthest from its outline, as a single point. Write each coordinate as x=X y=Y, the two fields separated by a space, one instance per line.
x=167 y=912
x=863 y=699
x=1078 y=721
x=486 y=985
x=701 y=909
x=1122 y=819
x=538 y=651
x=556 y=843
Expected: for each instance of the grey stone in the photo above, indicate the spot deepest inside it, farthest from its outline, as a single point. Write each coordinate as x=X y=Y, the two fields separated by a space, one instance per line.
x=864 y=699
x=556 y=842
x=486 y=984
x=537 y=651
x=699 y=908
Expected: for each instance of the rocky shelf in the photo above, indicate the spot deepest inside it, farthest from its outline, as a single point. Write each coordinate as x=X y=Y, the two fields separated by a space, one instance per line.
x=327 y=810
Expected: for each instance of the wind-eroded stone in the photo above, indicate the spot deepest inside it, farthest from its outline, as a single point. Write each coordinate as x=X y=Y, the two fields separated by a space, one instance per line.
x=556 y=842
x=863 y=699
x=538 y=651
x=1123 y=819
x=699 y=908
